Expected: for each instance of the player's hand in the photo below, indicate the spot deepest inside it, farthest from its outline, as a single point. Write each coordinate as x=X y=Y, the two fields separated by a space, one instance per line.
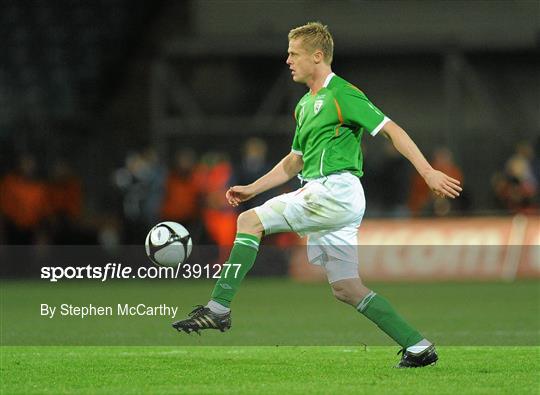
x=442 y=185
x=238 y=194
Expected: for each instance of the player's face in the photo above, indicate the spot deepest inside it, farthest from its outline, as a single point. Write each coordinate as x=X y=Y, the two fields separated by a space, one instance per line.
x=300 y=61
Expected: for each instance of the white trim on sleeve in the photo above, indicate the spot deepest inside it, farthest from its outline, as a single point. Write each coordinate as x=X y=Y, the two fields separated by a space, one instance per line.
x=297 y=152
x=380 y=126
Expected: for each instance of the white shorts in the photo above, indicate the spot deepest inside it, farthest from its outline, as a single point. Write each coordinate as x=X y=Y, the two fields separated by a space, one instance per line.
x=329 y=210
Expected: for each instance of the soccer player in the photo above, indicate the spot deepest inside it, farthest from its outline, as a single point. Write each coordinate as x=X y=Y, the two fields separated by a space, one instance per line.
x=326 y=155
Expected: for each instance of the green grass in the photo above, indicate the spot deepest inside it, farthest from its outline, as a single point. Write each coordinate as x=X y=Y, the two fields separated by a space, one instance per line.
x=286 y=338
x=274 y=312
x=258 y=370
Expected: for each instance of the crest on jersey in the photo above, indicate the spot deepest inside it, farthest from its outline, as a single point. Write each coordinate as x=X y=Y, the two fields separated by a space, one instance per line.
x=317 y=106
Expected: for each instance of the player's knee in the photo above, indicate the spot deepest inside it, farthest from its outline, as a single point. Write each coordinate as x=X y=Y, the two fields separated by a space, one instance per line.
x=248 y=222
x=350 y=291
x=341 y=293
x=245 y=221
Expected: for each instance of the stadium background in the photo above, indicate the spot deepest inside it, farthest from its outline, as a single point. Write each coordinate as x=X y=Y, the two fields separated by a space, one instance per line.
x=102 y=96
x=115 y=114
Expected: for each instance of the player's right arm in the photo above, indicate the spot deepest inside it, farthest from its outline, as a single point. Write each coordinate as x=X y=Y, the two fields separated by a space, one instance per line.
x=286 y=169
x=441 y=184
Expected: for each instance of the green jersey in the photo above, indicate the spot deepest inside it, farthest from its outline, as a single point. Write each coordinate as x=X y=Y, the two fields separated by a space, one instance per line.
x=329 y=128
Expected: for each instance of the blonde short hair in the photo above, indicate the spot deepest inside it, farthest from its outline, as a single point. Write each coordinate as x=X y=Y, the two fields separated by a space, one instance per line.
x=315 y=36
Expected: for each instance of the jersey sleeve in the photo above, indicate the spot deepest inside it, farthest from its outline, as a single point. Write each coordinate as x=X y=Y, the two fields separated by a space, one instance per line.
x=356 y=109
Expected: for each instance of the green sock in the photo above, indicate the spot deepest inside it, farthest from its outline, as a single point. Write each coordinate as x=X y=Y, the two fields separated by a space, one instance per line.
x=242 y=257
x=381 y=312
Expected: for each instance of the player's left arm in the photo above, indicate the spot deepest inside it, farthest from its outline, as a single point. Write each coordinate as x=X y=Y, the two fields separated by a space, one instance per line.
x=438 y=182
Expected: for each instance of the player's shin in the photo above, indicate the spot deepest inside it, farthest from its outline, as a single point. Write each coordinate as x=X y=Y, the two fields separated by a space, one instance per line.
x=381 y=312
x=241 y=260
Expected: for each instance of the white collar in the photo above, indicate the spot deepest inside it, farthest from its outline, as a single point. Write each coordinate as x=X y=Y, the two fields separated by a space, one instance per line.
x=327 y=80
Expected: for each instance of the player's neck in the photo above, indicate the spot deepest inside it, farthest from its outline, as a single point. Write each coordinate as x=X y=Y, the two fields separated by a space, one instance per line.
x=317 y=81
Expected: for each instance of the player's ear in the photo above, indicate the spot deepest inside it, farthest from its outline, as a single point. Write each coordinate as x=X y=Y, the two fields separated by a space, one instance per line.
x=318 y=56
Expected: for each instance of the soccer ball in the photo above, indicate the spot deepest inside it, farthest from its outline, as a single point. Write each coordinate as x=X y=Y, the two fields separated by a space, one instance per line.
x=168 y=244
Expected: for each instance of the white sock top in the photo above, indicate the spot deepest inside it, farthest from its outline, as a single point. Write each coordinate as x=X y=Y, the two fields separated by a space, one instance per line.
x=217 y=308
x=419 y=347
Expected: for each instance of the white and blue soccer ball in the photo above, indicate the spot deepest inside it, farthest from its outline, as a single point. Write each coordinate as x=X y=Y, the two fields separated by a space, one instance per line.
x=168 y=244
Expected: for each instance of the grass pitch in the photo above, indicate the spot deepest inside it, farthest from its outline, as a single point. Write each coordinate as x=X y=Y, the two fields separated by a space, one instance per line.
x=286 y=338
x=264 y=370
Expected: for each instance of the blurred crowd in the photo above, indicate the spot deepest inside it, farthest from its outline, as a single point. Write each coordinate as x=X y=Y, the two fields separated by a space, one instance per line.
x=191 y=191
x=33 y=210
x=48 y=209
x=516 y=185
